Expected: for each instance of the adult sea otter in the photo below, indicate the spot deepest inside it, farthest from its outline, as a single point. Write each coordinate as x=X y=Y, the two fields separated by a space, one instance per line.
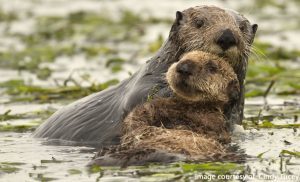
x=96 y=119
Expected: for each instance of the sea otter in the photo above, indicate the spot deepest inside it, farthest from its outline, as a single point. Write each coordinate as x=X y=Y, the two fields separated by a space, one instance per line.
x=96 y=119
x=187 y=126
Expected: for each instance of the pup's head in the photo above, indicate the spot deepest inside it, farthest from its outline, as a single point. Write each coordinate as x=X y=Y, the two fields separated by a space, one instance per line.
x=202 y=77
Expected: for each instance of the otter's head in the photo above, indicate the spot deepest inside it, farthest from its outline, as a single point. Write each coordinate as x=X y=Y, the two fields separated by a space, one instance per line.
x=203 y=77
x=218 y=31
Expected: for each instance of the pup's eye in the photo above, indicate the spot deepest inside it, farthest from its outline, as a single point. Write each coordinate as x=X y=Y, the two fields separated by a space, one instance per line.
x=199 y=23
x=211 y=67
x=188 y=60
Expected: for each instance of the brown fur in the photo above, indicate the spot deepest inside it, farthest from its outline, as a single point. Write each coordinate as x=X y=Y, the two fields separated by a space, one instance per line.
x=203 y=25
x=90 y=121
x=211 y=77
x=191 y=122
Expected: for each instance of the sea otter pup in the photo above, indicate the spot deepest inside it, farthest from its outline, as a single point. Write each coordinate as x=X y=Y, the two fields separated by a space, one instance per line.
x=97 y=119
x=188 y=126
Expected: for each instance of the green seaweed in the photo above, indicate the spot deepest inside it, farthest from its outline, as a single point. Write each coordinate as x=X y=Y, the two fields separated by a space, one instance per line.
x=32 y=56
x=43 y=73
x=261 y=154
x=17 y=128
x=7 y=16
x=155 y=46
x=5 y=116
x=292 y=153
x=53 y=160
x=94 y=169
x=254 y=93
x=162 y=177
x=268 y=125
x=115 y=64
x=261 y=4
x=23 y=92
x=41 y=177
x=42 y=114
x=175 y=171
x=211 y=166
x=35 y=167
x=8 y=169
x=273 y=68
x=74 y=171
x=94 y=50
x=116 y=60
x=12 y=163
x=43 y=44
x=95 y=26
x=269 y=51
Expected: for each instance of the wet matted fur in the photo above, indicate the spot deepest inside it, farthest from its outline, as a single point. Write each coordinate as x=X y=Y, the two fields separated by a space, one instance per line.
x=97 y=119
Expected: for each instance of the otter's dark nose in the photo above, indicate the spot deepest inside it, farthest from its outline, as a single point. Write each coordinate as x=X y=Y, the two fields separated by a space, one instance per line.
x=226 y=40
x=184 y=69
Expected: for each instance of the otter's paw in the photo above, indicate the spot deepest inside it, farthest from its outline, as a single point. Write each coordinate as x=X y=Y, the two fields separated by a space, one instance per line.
x=106 y=160
x=137 y=158
x=156 y=156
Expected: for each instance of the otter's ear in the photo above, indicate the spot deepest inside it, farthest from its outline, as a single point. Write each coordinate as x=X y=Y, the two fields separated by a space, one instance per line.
x=179 y=18
x=254 y=28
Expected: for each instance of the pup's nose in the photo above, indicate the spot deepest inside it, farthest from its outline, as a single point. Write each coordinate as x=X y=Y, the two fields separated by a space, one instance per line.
x=226 y=40
x=184 y=69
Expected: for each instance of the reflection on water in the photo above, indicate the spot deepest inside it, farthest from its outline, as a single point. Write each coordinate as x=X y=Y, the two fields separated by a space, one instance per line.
x=37 y=161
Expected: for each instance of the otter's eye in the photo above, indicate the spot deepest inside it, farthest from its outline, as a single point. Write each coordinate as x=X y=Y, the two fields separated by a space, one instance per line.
x=243 y=26
x=199 y=23
x=211 y=67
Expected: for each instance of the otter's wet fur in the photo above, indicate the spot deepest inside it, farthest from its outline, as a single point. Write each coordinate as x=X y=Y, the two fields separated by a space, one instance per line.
x=97 y=119
x=190 y=124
